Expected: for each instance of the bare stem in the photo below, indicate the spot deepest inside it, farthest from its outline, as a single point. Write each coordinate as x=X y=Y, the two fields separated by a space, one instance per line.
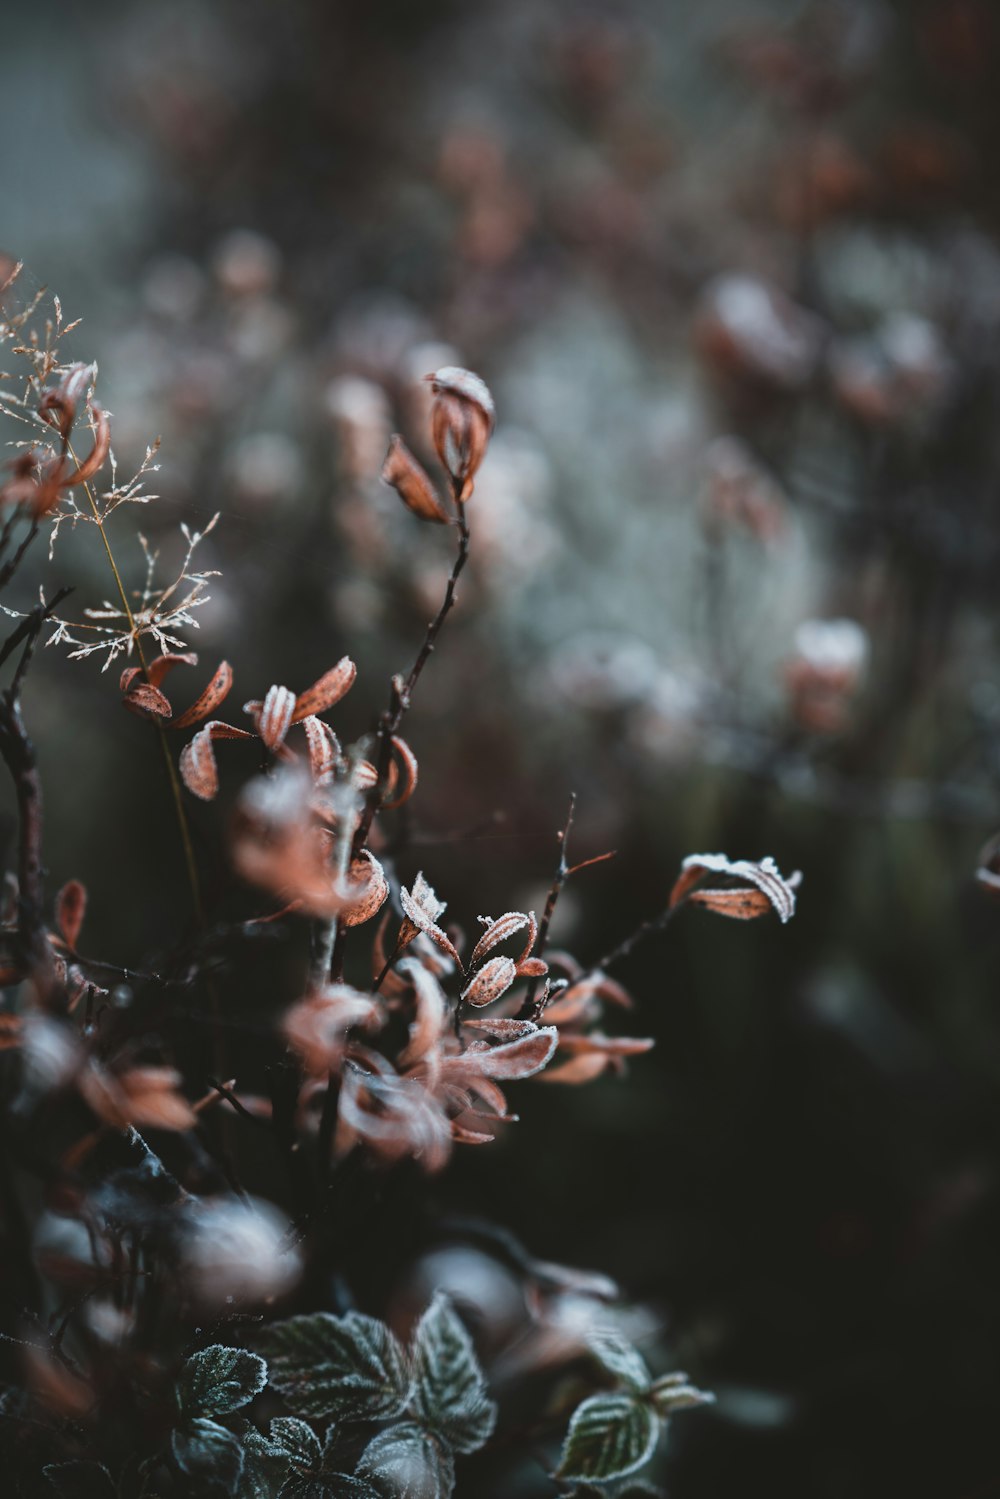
x=194 y=879
x=527 y=1009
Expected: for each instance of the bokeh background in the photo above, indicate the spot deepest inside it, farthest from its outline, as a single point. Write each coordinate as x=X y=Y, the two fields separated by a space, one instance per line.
x=733 y=273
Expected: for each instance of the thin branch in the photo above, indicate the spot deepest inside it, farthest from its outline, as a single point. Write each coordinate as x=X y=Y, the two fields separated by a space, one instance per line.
x=527 y=1009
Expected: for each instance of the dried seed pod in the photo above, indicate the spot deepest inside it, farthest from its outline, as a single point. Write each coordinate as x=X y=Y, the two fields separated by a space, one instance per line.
x=409 y=479
x=462 y=418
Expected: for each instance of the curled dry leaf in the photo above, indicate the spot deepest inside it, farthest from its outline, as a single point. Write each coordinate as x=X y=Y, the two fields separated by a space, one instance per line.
x=492 y=980
x=462 y=418
x=273 y=718
x=432 y=1012
x=422 y=909
x=579 y=1069
x=316 y=1028
x=143 y=699
x=97 y=457
x=328 y=691
x=324 y=750
x=162 y=665
x=501 y=1029
x=206 y=703
x=71 y=907
x=409 y=479
x=404 y=781
x=395 y=1117
x=365 y=890
x=143 y=1096
x=769 y=890
x=510 y=1061
x=198 y=767
x=498 y=931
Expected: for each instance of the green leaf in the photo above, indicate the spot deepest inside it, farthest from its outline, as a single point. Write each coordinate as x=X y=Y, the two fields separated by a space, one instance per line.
x=290 y=1449
x=610 y=1435
x=407 y=1462
x=621 y=1360
x=81 y=1480
x=337 y=1366
x=219 y=1380
x=451 y=1395
x=206 y=1451
x=672 y=1392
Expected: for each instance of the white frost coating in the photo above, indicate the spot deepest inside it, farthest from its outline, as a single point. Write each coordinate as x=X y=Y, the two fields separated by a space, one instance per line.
x=839 y=645
x=765 y=875
x=465 y=384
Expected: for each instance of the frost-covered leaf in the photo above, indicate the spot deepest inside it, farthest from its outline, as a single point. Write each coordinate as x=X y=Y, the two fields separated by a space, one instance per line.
x=450 y=1393
x=422 y=909
x=199 y=771
x=405 y=773
x=323 y=694
x=609 y=1436
x=625 y=1363
x=493 y=979
x=410 y=481
x=209 y=1453
x=80 y=1480
x=433 y=1014
x=218 y=1380
x=498 y=931
x=407 y=1462
x=290 y=1448
x=364 y=891
x=514 y=1059
x=674 y=1392
x=768 y=888
x=337 y=1366
x=273 y=719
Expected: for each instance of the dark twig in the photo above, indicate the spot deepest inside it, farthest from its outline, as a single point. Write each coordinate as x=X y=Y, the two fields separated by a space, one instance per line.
x=527 y=1009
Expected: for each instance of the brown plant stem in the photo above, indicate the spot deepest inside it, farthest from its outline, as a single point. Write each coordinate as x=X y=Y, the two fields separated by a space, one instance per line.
x=527 y=1009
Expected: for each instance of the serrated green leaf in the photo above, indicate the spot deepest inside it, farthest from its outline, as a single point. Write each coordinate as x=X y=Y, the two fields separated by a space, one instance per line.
x=609 y=1435
x=337 y=1366
x=208 y=1452
x=621 y=1360
x=289 y=1450
x=672 y=1392
x=408 y=1462
x=451 y=1395
x=81 y=1480
x=218 y=1380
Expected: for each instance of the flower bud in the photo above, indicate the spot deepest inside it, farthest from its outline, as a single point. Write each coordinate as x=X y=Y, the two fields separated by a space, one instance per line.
x=462 y=419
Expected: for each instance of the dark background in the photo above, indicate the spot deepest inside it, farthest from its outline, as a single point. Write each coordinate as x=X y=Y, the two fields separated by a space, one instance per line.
x=801 y=1180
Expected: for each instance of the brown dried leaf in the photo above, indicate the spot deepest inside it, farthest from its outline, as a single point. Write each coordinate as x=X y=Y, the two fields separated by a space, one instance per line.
x=500 y=1028
x=462 y=417
x=215 y=693
x=97 y=457
x=365 y=890
x=422 y=909
x=316 y=1028
x=580 y=1069
x=71 y=907
x=433 y=1014
x=147 y=701
x=609 y=1046
x=498 y=931
x=158 y=668
x=409 y=479
x=493 y=979
x=405 y=767
x=274 y=717
x=10 y=1031
x=198 y=767
x=513 y=1060
x=393 y=1116
x=770 y=890
x=324 y=750
x=532 y=968
x=330 y=688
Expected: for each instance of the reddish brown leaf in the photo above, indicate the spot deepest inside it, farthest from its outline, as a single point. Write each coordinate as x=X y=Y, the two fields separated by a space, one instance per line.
x=147 y=701
x=406 y=774
x=579 y=1069
x=409 y=479
x=513 y=1060
x=366 y=890
x=10 y=1031
x=324 y=750
x=501 y=1029
x=498 y=931
x=330 y=688
x=609 y=1046
x=532 y=968
x=316 y=1028
x=493 y=979
x=769 y=887
x=422 y=909
x=97 y=457
x=158 y=668
x=215 y=693
x=462 y=417
x=433 y=1014
x=71 y=907
x=274 y=717
x=198 y=767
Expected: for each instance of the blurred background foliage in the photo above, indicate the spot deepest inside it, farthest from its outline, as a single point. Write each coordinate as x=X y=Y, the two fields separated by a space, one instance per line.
x=732 y=272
